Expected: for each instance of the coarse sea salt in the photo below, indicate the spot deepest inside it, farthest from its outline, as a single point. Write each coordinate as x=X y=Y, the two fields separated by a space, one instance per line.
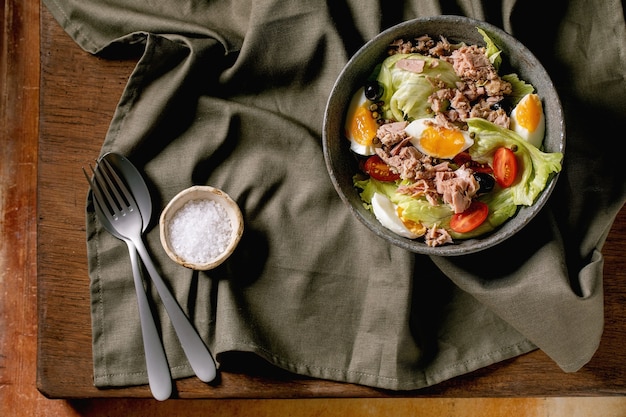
x=200 y=231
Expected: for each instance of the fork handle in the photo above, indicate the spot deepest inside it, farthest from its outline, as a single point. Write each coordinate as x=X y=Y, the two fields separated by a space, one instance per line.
x=197 y=353
x=159 y=376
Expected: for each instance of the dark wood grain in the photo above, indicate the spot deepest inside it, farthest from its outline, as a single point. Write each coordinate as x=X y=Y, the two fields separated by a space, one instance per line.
x=79 y=93
x=19 y=106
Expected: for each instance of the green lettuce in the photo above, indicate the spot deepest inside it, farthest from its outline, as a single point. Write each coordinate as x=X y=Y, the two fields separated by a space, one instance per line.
x=535 y=170
x=406 y=93
x=520 y=88
x=492 y=51
x=416 y=209
x=500 y=202
x=534 y=166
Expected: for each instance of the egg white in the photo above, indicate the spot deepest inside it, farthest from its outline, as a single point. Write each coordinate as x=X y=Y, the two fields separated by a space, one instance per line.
x=358 y=99
x=416 y=129
x=386 y=213
x=534 y=137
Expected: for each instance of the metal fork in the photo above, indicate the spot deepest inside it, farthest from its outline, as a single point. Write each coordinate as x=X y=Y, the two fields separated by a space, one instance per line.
x=120 y=208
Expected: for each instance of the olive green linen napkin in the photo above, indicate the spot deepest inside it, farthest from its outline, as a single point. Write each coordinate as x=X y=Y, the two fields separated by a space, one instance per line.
x=232 y=94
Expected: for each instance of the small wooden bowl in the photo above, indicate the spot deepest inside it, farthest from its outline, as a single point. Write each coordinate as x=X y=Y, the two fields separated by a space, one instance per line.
x=200 y=193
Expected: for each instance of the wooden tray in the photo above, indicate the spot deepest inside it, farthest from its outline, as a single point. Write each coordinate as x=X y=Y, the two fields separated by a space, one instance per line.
x=79 y=93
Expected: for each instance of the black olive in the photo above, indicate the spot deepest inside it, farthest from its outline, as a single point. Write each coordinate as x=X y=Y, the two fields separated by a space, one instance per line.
x=504 y=105
x=373 y=90
x=485 y=181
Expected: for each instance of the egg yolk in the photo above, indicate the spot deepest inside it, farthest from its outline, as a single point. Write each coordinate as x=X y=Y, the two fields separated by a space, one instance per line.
x=441 y=142
x=528 y=112
x=363 y=126
x=416 y=228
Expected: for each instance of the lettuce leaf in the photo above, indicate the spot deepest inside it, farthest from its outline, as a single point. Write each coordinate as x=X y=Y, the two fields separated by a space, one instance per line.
x=369 y=186
x=492 y=51
x=535 y=166
x=520 y=88
x=406 y=93
x=416 y=209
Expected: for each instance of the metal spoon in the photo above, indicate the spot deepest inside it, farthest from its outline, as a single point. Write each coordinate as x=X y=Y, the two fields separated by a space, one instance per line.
x=159 y=377
x=197 y=353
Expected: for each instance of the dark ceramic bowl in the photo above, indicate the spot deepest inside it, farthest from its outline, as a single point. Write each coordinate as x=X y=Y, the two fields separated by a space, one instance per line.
x=342 y=165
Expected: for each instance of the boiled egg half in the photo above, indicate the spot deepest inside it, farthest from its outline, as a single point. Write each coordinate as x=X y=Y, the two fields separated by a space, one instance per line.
x=360 y=127
x=528 y=120
x=436 y=140
x=390 y=216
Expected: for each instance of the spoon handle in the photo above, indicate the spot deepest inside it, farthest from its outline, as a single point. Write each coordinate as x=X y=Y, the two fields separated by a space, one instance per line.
x=197 y=353
x=159 y=376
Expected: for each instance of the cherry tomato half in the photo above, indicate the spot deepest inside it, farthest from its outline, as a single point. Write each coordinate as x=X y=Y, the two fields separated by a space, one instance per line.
x=379 y=170
x=471 y=218
x=504 y=167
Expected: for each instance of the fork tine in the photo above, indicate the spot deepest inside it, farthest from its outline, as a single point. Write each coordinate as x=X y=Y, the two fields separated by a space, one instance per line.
x=102 y=179
x=103 y=185
x=99 y=198
x=91 y=185
x=117 y=185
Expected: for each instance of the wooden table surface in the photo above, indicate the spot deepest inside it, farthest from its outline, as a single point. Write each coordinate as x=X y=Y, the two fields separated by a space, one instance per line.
x=45 y=219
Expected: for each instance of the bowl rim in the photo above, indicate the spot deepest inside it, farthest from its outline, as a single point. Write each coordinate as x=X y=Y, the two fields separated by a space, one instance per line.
x=513 y=51
x=202 y=192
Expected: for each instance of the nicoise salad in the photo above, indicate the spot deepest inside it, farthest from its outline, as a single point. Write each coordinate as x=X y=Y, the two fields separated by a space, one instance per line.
x=448 y=148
